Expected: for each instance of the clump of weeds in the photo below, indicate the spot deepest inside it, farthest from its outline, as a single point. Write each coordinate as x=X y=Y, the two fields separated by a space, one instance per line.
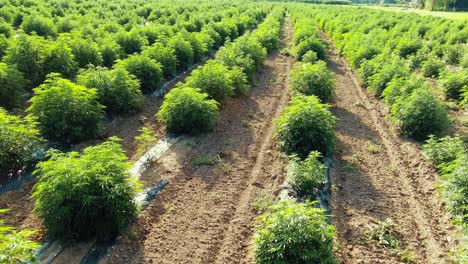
x=385 y=234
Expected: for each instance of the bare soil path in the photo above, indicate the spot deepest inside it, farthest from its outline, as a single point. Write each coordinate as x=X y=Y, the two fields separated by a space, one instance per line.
x=379 y=175
x=205 y=214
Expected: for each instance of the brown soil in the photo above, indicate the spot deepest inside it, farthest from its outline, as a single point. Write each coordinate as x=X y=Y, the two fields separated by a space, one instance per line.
x=205 y=214
x=379 y=175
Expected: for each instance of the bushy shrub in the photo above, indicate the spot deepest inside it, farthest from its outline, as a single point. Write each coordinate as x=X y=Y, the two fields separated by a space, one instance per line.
x=82 y=195
x=15 y=246
x=85 y=52
x=164 y=55
x=305 y=125
x=400 y=87
x=24 y=54
x=455 y=187
x=408 y=47
x=420 y=115
x=393 y=69
x=454 y=54
x=66 y=112
x=443 y=150
x=363 y=53
x=454 y=83
x=20 y=141
x=306 y=176
x=147 y=71
x=12 y=86
x=110 y=52
x=310 y=44
x=131 y=42
x=310 y=57
x=213 y=79
x=294 y=233
x=432 y=67
x=313 y=79
x=117 y=89
x=183 y=51
x=42 y=26
x=59 y=58
x=187 y=110
x=239 y=80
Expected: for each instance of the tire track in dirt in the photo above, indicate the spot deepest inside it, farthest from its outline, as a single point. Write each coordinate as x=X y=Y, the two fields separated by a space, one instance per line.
x=379 y=175
x=204 y=215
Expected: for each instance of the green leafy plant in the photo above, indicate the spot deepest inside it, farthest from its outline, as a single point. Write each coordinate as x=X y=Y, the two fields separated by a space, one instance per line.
x=454 y=83
x=305 y=125
x=118 y=90
x=443 y=150
x=146 y=70
x=82 y=195
x=313 y=79
x=12 y=86
x=213 y=79
x=66 y=112
x=308 y=44
x=187 y=110
x=432 y=67
x=294 y=233
x=420 y=115
x=15 y=246
x=20 y=141
x=145 y=140
x=306 y=176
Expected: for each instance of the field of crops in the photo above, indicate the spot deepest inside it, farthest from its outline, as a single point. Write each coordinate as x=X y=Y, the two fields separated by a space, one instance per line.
x=200 y=131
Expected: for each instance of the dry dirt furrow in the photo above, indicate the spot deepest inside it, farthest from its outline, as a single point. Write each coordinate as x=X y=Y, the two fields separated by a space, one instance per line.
x=379 y=175
x=204 y=215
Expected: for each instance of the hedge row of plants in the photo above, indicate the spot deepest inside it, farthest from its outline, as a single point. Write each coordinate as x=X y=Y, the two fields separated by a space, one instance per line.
x=192 y=107
x=392 y=52
x=294 y=232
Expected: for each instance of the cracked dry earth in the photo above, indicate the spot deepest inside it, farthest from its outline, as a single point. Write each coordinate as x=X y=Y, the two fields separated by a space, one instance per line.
x=205 y=213
x=379 y=175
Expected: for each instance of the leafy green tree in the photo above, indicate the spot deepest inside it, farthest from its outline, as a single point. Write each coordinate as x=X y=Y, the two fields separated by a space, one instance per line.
x=66 y=112
x=294 y=233
x=20 y=141
x=58 y=58
x=12 y=86
x=147 y=71
x=187 y=110
x=89 y=194
x=42 y=26
x=213 y=79
x=306 y=125
x=313 y=79
x=117 y=89
x=15 y=246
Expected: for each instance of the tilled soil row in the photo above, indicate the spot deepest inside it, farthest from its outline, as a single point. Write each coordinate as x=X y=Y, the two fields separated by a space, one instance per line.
x=380 y=175
x=205 y=214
